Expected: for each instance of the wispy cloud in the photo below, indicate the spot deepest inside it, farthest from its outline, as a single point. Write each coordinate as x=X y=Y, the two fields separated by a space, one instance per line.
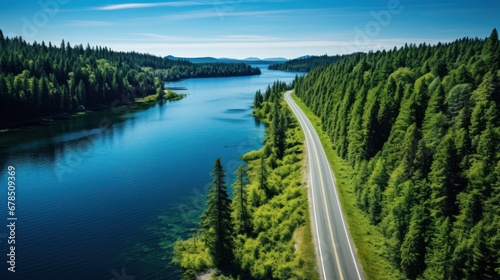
x=221 y=3
x=213 y=14
x=88 y=23
x=157 y=36
x=457 y=12
x=246 y=38
x=149 y=5
x=224 y=38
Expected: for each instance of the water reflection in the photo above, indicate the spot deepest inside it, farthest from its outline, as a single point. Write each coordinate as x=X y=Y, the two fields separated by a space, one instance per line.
x=64 y=142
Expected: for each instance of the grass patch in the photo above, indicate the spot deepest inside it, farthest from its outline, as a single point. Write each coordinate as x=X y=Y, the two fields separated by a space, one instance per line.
x=148 y=99
x=371 y=245
x=173 y=96
x=306 y=251
x=169 y=96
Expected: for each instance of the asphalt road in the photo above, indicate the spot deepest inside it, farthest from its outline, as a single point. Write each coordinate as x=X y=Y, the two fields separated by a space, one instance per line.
x=336 y=256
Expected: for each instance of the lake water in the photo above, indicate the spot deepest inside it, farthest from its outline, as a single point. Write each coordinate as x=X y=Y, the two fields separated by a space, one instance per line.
x=104 y=195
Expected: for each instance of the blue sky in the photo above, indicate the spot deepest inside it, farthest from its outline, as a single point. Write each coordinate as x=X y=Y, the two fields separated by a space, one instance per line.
x=254 y=28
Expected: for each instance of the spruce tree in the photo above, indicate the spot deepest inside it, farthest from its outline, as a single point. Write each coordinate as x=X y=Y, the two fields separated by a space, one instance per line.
x=216 y=220
x=413 y=247
x=279 y=131
x=490 y=51
x=439 y=262
x=445 y=181
x=239 y=203
x=257 y=102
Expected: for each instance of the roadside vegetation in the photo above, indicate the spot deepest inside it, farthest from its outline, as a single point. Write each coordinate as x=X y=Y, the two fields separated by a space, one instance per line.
x=265 y=233
x=371 y=247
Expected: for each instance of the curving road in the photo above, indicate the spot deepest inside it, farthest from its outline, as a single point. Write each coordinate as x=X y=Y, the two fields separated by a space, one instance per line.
x=336 y=256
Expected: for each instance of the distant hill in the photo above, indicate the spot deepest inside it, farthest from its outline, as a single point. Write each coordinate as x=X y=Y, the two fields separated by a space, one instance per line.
x=249 y=60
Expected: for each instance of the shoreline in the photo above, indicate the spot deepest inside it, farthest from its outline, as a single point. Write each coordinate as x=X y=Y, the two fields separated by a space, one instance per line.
x=142 y=103
x=16 y=125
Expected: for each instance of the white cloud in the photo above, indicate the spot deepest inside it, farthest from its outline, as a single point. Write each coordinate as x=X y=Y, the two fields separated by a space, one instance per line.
x=245 y=38
x=158 y=37
x=88 y=23
x=148 y=5
x=221 y=14
x=223 y=38
x=221 y=4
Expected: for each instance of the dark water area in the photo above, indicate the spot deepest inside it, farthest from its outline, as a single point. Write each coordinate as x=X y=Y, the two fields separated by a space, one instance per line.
x=104 y=195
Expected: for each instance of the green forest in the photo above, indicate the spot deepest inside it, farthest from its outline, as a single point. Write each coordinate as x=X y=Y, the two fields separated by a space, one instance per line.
x=420 y=126
x=263 y=231
x=305 y=64
x=39 y=80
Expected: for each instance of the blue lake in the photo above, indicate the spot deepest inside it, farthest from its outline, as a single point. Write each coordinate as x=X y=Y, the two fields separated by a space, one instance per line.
x=104 y=195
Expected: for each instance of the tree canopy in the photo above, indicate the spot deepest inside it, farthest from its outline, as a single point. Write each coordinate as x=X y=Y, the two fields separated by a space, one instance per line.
x=421 y=127
x=305 y=64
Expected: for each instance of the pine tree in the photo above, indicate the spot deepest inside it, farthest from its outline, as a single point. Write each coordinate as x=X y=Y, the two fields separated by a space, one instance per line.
x=439 y=265
x=413 y=247
x=377 y=183
x=216 y=220
x=239 y=204
x=257 y=102
x=263 y=175
x=279 y=131
x=445 y=180
x=491 y=50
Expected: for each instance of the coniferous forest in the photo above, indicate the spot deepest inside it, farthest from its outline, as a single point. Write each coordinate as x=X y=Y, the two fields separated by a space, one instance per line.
x=37 y=79
x=305 y=64
x=420 y=125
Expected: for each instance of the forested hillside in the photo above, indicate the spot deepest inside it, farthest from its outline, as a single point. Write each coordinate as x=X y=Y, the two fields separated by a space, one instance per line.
x=421 y=127
x=38 y=79
x=305 y=64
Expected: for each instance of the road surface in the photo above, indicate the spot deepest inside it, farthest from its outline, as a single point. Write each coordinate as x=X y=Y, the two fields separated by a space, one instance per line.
x=336 y=256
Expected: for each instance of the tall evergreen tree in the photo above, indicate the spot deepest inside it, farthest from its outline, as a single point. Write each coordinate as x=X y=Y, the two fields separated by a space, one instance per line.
x=491 y=51
x=445 y=180
x=413 y=247
x=216 y=220
x=257 y=102
x=279 y=127
x=239 y=206
x=439 y=263
x=377 y=183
